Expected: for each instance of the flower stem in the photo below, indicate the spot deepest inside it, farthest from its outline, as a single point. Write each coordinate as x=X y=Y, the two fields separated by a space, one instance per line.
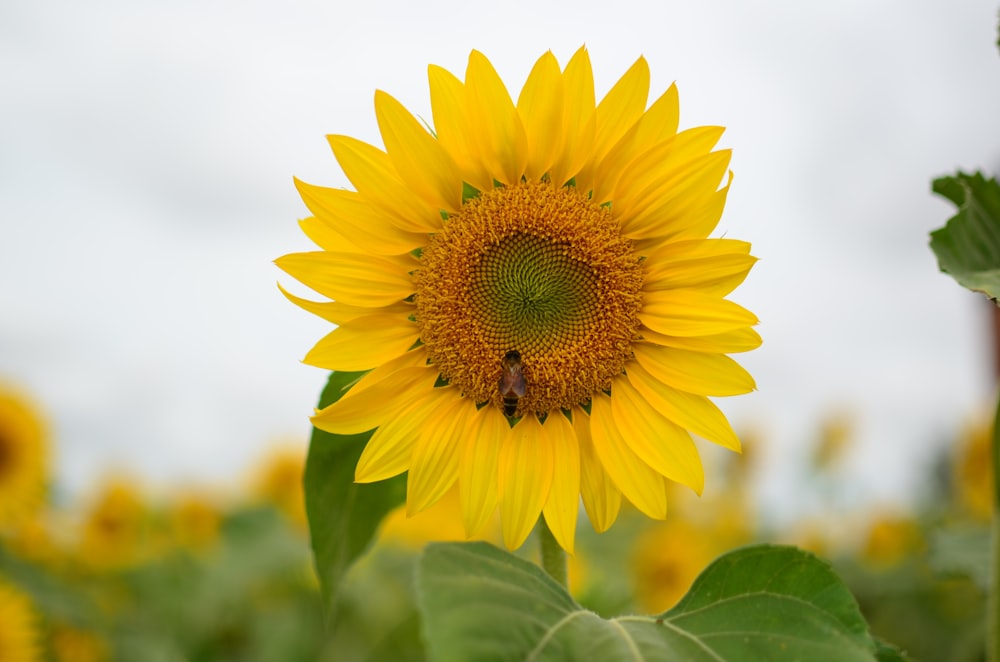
x=993 y=604
x=553 y=555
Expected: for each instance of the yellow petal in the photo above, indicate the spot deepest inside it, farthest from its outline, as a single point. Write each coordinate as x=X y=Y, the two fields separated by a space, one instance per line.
x=420 y=160
x=347 y=214
x=363 y=343
x=639 y=482
x=502 y=141
x=621 y=107
x=702 y=219
x=454 y=128
x=326 y=236
x=695 y=372
x=693 y=412
x=390 y=449
x=540 y=106
x=671 y=206
x=339 y=312
x=435 y=458
x=374 y=176
x=691 y=313
x=578 y=125
x=689 y=249
x=477 y=473
x=563 y=504
x=664 y=446
x=656 y=125
x=739 y=340
x=356 y=279
x=526 y=465
x=601 y=497
x=652 y=172
x=717 y=275
x=365 y=409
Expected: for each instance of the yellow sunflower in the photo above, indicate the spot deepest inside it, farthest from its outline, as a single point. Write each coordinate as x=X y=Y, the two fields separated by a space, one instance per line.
x=532 y=288
x=19 y=640
x=23 y=458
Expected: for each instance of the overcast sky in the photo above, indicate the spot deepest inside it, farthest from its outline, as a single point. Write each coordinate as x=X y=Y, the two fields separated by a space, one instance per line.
x=146 y=160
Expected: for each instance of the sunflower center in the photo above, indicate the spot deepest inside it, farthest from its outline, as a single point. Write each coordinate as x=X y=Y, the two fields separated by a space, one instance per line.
x=537 y=270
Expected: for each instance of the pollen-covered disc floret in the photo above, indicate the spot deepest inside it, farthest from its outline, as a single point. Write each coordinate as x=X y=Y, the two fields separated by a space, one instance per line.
x=536 y=269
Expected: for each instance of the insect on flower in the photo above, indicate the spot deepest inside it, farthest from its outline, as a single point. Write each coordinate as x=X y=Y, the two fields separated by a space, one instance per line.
x=512 y=385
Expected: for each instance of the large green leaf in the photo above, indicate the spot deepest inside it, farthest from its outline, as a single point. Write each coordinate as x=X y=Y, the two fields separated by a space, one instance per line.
x=343 y=515
x=968 y=246
x=756 y=603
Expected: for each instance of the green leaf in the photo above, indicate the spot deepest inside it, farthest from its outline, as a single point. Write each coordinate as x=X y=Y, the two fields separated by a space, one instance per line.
x=343 y=515
x=968 y=246
x=757 y=603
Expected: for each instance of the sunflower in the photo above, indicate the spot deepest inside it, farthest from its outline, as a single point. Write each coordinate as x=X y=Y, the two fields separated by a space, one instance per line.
x=533 y=292
x=18 y=626
x=23 y=458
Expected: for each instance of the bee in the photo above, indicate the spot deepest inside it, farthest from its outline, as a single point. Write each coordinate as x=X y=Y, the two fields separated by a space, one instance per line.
x=512 y=386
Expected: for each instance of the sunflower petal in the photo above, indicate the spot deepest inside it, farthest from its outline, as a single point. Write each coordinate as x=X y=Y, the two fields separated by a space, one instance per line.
x=693 y=412
x=454 y=128
x=695 y=372
x=356 y=279
x=390 y=448
x=656 y=125
x=621 y=107
x=363 y=343
x=419 y=159
x=526 y=465
x=743 y=339
x=350 y=216
x=563 y=503
x=670 y=206
x=374 y=176
x=339 y=312
x=502 y=140
x=540 y=106
x=436 y=454
x=601 y=497
x=691 y=313
x=661 y=444
x=364 y=409
x=578 y=118
x=717 y=275
x=639 y=482
x=477 y=473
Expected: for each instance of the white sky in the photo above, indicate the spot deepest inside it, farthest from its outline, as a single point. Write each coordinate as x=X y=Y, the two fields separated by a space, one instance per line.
x=146 y=160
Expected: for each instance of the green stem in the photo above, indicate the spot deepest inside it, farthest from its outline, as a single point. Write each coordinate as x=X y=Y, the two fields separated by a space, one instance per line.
x=553 y=555
x=993 y=605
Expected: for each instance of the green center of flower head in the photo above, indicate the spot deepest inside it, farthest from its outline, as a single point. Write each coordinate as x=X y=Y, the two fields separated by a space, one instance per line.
x=535 y=269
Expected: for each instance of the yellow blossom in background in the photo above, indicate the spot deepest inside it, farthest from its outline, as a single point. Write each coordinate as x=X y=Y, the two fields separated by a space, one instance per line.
x=19 y=635
x=973 y=470
x=835 y=436
x=116 y=530
x=194 y=519
x=277 y=480
x=668 y=557
x=890 y=539
x=24 y=457
x=533 y=290
x=70 y=644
